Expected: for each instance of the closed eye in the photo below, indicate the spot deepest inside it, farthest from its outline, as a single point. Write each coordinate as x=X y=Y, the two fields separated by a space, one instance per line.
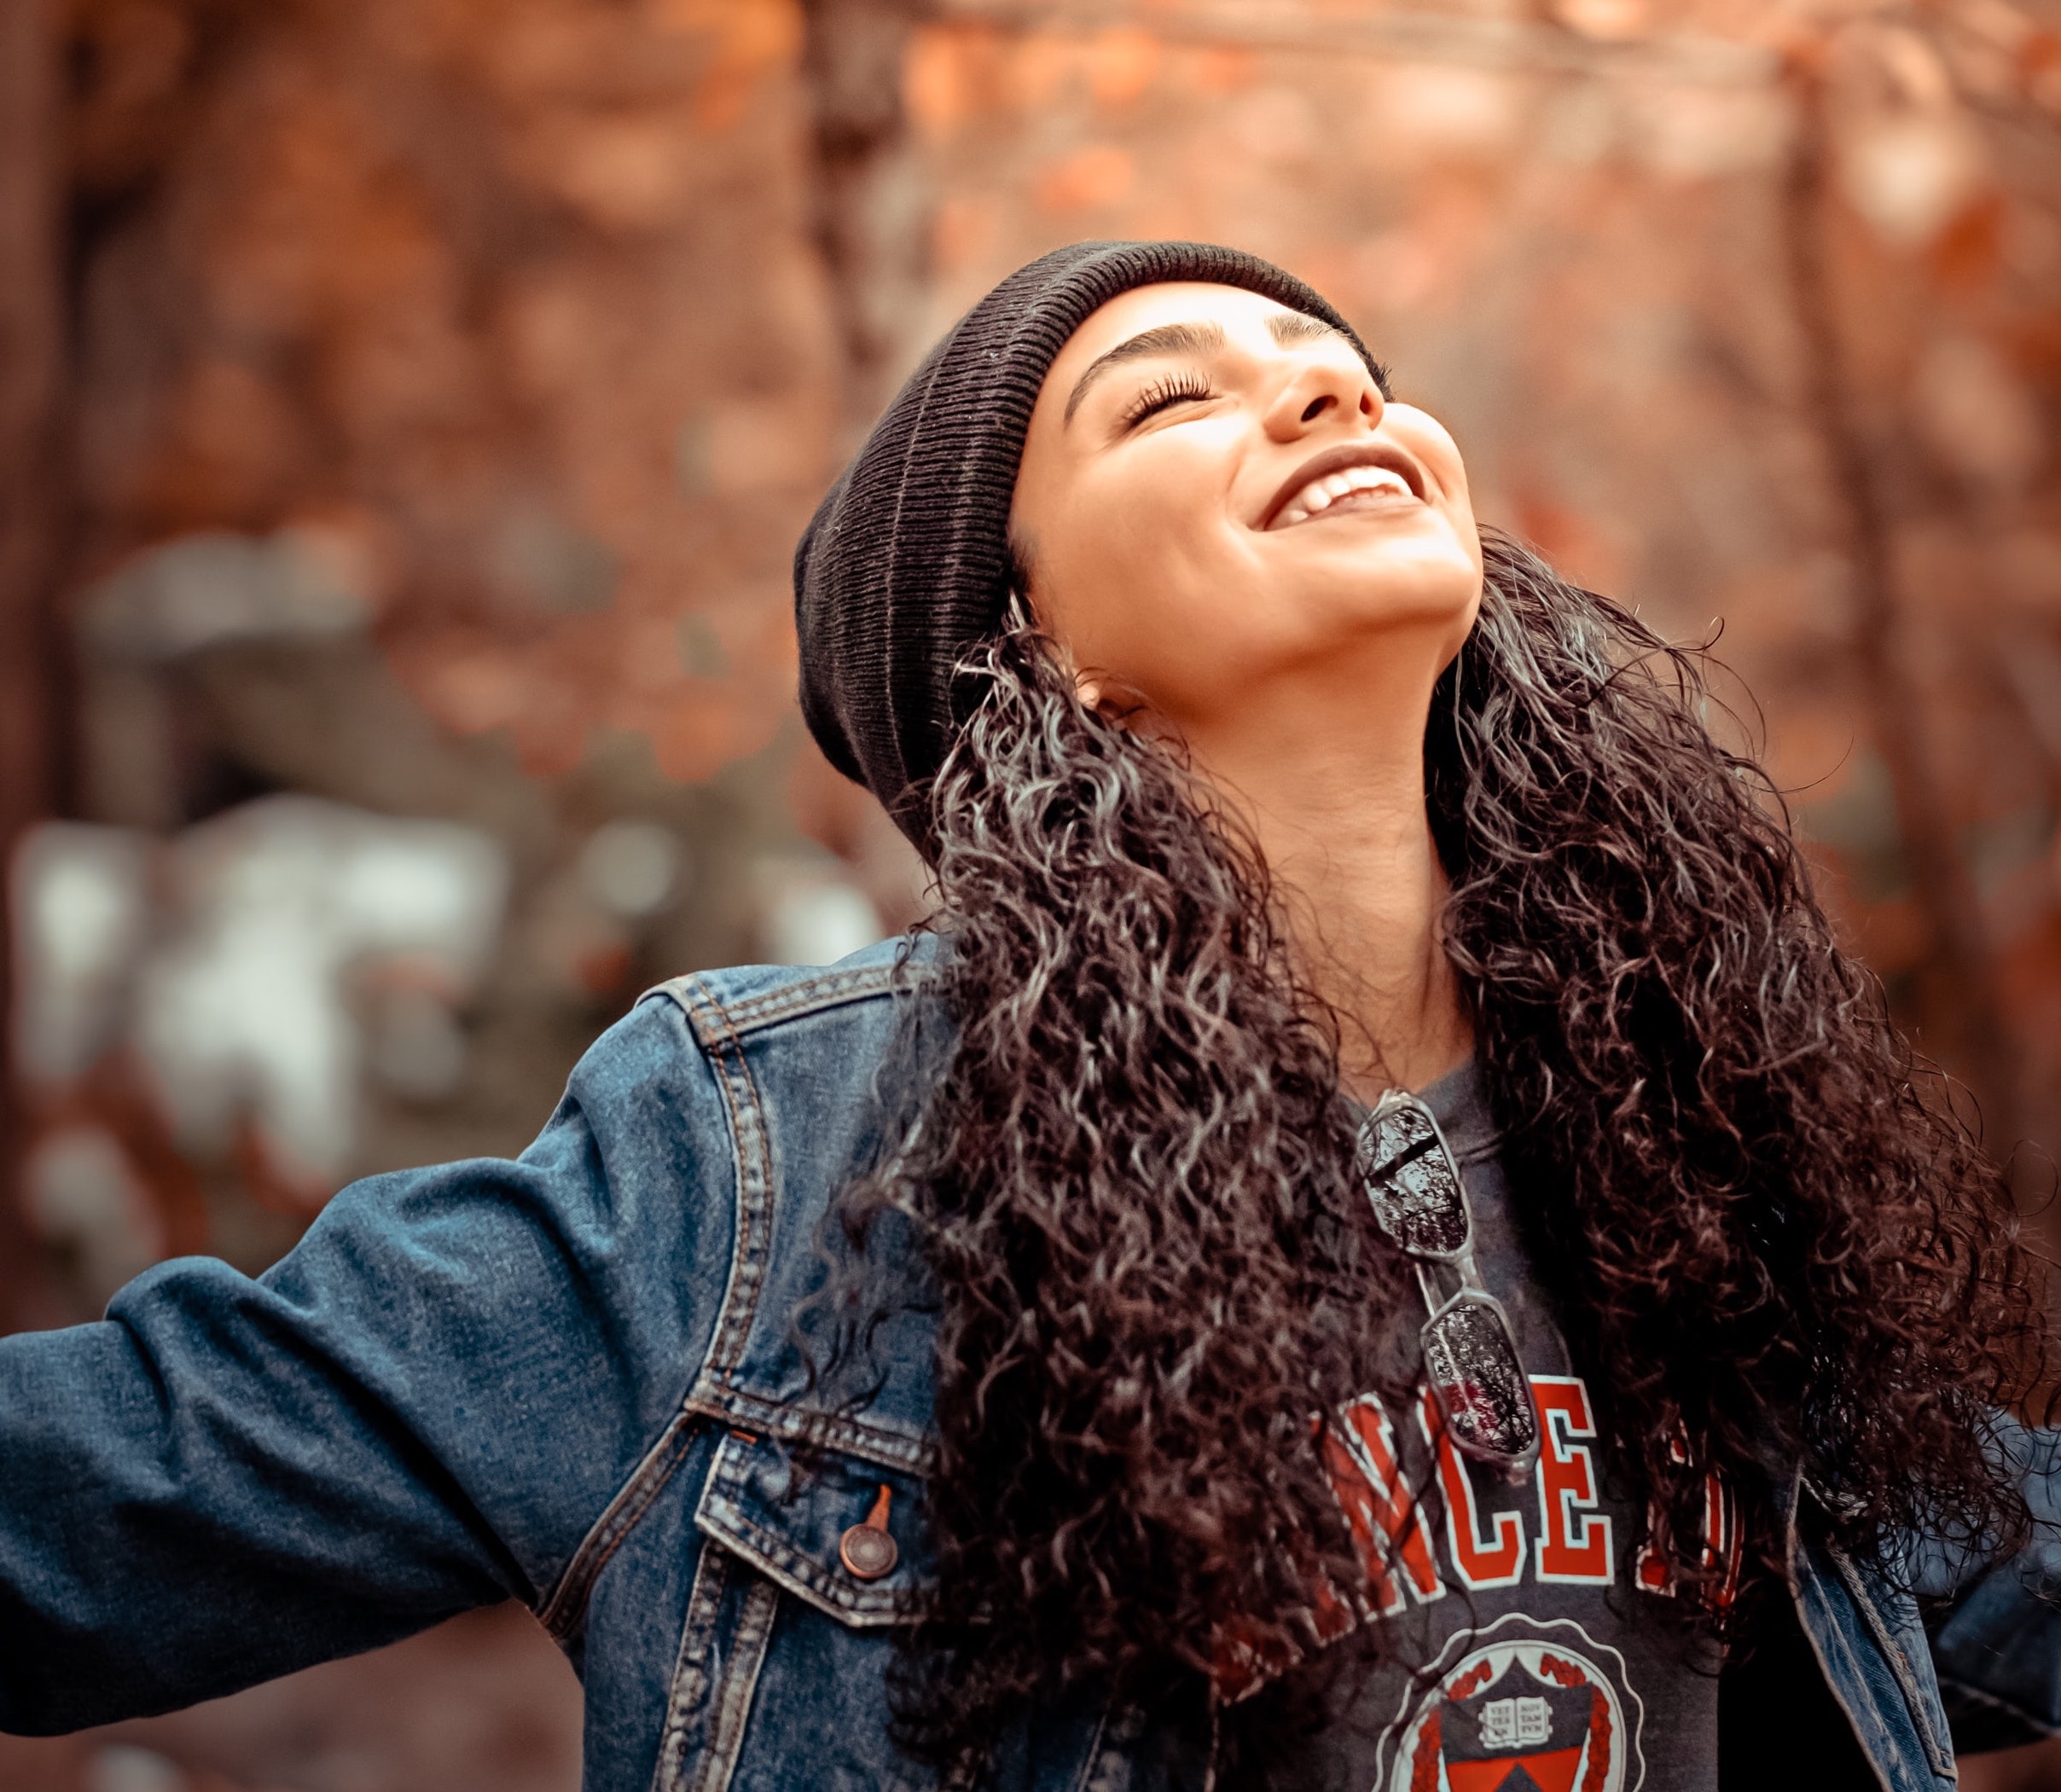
x=1185 y=387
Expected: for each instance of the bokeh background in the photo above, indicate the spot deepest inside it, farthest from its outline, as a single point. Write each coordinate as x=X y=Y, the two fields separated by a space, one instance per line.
x=407 y=408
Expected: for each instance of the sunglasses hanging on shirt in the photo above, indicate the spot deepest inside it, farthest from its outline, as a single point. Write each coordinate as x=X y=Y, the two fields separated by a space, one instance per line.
x=1470 y=1356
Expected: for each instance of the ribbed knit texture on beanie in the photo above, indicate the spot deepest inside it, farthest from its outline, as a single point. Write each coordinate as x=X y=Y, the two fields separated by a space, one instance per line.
x=904 y=567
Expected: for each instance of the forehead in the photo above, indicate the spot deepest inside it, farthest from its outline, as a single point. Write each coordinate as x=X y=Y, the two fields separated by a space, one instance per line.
x=1236 y=311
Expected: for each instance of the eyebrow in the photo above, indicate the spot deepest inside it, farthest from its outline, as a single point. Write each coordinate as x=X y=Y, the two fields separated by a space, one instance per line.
x=1169 y=338
x=1287 y=328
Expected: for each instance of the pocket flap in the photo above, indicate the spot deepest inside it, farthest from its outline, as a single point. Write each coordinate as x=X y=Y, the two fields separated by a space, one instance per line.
x=786 y=1511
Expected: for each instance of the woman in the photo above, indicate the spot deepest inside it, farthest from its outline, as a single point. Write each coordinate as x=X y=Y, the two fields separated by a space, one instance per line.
x=1058 y=1353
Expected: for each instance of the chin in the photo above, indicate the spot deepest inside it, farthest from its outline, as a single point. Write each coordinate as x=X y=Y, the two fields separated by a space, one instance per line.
x=1386 y=556
x=1409 y=595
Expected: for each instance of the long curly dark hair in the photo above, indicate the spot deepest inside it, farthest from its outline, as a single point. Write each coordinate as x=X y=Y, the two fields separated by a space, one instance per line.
x=1131 y=1178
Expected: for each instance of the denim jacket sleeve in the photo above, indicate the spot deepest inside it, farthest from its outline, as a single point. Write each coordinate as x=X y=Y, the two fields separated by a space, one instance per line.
x=422 y=1408
x=1996 y=1639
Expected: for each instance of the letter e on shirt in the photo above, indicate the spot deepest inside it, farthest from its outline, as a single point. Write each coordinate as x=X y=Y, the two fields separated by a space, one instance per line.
x=1574 y=1538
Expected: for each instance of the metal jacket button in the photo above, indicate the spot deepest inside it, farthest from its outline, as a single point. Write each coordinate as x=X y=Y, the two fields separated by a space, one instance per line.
x=868 y=1551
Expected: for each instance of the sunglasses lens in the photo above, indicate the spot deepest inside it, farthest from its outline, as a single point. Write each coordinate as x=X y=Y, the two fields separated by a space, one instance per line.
x=1411 y=1180
x=1473 y=1364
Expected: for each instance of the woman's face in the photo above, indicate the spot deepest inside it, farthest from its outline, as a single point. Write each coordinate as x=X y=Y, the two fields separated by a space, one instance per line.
x=1215 y=496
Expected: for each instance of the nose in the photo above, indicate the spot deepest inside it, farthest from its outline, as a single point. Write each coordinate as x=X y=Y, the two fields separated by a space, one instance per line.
x=1321 y=392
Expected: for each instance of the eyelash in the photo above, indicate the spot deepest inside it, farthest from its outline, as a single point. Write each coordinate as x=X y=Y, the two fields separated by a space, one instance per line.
x=1174 y=389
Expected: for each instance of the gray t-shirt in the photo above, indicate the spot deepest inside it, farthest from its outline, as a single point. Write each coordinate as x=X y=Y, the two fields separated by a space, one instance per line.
x=1545 y=1660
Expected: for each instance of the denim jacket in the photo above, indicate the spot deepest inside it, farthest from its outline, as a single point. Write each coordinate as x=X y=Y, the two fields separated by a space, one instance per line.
x=572 y=1379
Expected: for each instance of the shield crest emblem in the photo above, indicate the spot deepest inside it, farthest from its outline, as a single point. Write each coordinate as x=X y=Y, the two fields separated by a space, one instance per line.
x=1524 y=1705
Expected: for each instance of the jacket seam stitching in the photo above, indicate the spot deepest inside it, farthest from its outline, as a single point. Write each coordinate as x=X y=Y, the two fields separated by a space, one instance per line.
x=748 y=1159
x=836 y=1431
x=715 y=1392
x=1839 y=1698
x=1793 y=1549
x=562 y=1613
x=697 y=1639
x=754 y=1014
x=836 y=989
x=740 y=1687
x=1939 y=1759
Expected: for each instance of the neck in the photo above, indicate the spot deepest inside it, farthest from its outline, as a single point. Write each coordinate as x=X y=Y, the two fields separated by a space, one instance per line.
x=1331 y=781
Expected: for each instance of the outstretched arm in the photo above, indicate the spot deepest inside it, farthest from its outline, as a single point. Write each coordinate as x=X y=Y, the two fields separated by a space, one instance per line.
x=420 y=1409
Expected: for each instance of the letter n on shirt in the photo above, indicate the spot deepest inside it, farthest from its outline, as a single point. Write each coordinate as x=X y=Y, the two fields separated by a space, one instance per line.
x=1386 y=1523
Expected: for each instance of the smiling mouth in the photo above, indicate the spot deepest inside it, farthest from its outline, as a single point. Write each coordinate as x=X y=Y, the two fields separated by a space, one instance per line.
x=1359 y=476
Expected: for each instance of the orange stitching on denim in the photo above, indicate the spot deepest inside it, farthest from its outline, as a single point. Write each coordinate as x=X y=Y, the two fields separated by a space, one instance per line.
x=725 y=1051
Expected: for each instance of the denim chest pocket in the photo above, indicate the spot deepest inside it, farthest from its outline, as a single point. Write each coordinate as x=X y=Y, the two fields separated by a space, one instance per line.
x=808 y=1560
x=820 y=1718
x=837 y=1531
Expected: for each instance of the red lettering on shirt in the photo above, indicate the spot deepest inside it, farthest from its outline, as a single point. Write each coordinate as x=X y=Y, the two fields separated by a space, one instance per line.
x=1651 y=1571
x=1480 y=1565
x=1722 y=1539
x=1653 y=1566
x=1719 y=1555
x=1382 y=1515
x=1571 y=1548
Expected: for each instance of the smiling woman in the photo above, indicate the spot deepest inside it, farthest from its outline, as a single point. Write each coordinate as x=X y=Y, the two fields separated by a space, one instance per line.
x=1375 y=1239
x=1288 y=786
x=1193 y=448
x=1243 y=543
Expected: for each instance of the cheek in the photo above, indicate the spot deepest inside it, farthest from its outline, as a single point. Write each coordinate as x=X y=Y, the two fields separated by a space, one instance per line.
x=1464 y=526
x=1132 y=560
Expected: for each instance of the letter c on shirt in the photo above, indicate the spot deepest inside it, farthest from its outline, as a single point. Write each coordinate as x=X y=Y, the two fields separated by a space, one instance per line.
x=1481 y=1565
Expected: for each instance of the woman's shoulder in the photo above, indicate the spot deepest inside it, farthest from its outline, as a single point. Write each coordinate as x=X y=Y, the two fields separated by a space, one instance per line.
x=771 y=1087
x=749 y=999
x=810 y=1012
x=756 y=1062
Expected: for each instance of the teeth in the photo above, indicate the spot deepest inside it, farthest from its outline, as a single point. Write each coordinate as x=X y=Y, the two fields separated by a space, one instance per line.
x=1376 y=478
x=1320 y=495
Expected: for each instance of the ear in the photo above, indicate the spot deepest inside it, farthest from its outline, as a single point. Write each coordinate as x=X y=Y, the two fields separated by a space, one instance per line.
x=1089 y=690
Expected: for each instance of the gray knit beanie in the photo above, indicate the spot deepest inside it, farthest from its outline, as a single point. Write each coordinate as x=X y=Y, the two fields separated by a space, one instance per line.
x=904 y=567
